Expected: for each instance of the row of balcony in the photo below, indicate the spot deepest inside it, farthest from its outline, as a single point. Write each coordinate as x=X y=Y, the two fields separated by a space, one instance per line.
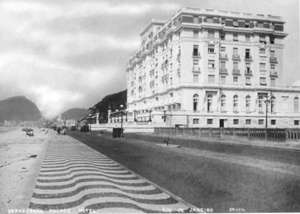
x=247 y=72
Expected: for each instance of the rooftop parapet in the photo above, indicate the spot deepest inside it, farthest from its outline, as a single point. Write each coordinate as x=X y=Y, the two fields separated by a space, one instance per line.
x=230 y=14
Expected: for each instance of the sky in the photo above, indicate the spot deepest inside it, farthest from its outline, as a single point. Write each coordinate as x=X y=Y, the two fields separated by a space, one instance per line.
x=63 y=54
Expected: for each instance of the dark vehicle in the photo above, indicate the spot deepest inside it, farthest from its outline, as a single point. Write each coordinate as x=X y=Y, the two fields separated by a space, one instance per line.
x=85 y=128
x=73 y=128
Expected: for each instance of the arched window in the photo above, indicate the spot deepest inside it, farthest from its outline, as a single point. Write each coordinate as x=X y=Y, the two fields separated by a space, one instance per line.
x=235 y=102
x=223 y=103
x=260 y=103
x=195 y=102
x=272 y=104
x=248 y=103
x=209 y=103
x=296 y=104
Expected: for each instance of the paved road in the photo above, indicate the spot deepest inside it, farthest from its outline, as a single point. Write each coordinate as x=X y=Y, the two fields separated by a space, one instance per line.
x=74 y=176
x=224 y=182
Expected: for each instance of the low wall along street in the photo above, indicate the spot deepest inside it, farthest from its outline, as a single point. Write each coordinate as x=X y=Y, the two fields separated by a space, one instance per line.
x=231 y=133
x=128 y=127
x=217 y=133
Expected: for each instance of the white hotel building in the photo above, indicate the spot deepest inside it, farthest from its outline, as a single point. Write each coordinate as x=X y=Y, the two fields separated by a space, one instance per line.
x=207 y=68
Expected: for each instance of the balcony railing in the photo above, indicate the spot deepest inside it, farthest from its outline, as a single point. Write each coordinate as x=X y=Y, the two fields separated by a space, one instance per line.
x=248 y=59
x=273 y=73
x=236 y=71
x=223 y=71
x=248 y=72
x=196 y=69
x=196 y=55
x=236 y=57
x=263 y=72
x=223 y=56
x=273 y=60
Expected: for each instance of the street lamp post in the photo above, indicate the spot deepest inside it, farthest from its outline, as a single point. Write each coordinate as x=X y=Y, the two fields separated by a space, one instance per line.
x=267 y=102
x=121 y=112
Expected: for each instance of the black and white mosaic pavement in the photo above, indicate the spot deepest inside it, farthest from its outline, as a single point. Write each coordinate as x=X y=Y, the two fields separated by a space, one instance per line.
x=73 y=176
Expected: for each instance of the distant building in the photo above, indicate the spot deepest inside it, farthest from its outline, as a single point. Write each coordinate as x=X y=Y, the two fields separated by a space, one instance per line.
x=208 y=68
x=70 y=122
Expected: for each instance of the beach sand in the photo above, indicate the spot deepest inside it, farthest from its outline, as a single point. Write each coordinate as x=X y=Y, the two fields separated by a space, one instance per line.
x=20 y=160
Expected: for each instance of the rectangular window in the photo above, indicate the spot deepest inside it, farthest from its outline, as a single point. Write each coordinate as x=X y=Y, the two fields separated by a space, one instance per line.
x=262 y=66
x=235 y=51
x=262 y=51
x=262 y=38
x=211 y=34
x=223 y=80
x=272 y=81
x=235 y=37
x=272 y=39
x=273 y=122
x=195 y=121
x=211 y=49
x=211 y=63
x=195 y=50
x=235 y=121
x=195 y=19
x=235 y=79
x=223 y=49
x=248 y=80
x=209 y=121
x=247 y=53
x=211 y=78
x=261 y=122
x=247 y=24
x=235 y=65
x=223 y=65
x=196 y=78
x=247 y=38
x=210 y=20
x=248 y=121
x=195 y=34
x=260 y=24
x=262 y=81
x=248 y=69
x=296 y=122
x=272 y=53
x=222 y=36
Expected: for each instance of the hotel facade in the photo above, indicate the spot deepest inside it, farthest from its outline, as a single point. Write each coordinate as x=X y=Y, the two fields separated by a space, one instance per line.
x=207 y=68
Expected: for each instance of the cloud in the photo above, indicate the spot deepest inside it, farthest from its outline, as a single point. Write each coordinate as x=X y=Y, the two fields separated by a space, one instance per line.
x=51 y=100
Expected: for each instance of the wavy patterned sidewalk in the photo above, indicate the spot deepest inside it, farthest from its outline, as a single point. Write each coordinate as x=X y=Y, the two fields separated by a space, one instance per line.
x=76 y=177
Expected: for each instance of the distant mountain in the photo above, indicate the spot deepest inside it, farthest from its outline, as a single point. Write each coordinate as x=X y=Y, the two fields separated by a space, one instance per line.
x=74 y=113
x=112 y=101
x=19 y=109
